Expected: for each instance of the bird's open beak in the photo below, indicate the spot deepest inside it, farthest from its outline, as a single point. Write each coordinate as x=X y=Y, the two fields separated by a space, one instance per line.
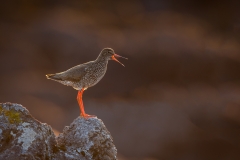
x=114 y=58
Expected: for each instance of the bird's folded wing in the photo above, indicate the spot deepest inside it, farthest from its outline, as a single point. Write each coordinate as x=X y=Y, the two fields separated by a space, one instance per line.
x=74 y=74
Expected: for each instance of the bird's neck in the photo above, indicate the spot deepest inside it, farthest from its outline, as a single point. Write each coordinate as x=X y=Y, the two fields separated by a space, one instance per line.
x=102 y=60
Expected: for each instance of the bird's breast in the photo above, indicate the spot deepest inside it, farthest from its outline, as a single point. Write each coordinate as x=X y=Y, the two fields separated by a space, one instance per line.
x=94 y=74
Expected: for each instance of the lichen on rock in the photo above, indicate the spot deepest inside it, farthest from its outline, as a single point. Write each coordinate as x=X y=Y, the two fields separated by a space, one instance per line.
x=13 y=117
x=27 y=137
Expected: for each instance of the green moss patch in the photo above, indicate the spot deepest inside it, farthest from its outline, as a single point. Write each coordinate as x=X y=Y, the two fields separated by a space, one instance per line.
x=1 y=109
x=12 y=115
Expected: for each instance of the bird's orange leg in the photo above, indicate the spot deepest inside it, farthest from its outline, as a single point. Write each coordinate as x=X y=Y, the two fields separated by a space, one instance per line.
x=80 y=103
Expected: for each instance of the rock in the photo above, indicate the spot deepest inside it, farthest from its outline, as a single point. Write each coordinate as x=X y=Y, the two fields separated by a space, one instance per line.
x=88 y=139
x=23 y=137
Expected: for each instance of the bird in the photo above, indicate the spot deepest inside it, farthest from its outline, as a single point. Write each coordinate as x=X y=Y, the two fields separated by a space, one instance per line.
x=86 y=75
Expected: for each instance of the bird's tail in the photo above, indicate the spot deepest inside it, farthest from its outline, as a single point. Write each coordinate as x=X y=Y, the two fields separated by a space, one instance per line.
x=53 y=76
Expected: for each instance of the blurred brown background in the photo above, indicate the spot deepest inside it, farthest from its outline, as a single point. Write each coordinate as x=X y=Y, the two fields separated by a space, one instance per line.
x=178 y=98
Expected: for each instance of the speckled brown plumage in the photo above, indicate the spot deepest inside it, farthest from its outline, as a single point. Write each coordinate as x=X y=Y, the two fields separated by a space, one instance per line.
x=86 y=75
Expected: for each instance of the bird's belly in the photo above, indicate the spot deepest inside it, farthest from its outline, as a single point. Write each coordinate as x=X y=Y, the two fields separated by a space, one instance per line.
x=75 y=85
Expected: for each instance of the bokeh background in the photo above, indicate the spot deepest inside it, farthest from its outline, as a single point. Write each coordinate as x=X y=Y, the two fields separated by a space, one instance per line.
x=178 y=98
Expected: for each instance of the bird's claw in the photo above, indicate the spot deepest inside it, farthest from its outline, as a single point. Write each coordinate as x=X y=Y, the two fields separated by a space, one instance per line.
x=86 y=116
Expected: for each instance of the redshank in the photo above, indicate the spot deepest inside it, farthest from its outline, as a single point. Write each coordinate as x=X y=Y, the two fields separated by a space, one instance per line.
x=86 y=75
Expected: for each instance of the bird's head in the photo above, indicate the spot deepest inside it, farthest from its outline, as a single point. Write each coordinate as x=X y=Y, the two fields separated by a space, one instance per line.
x=109 y=54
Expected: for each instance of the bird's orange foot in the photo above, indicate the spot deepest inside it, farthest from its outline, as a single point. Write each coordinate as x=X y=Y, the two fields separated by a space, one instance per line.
x=86 y=116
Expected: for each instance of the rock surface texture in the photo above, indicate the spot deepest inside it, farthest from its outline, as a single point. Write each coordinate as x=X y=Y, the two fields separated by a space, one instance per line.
x=23 y=137
x=88 y=139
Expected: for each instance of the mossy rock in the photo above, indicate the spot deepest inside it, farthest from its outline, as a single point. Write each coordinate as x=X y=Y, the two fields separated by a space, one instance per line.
x=12 y=115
